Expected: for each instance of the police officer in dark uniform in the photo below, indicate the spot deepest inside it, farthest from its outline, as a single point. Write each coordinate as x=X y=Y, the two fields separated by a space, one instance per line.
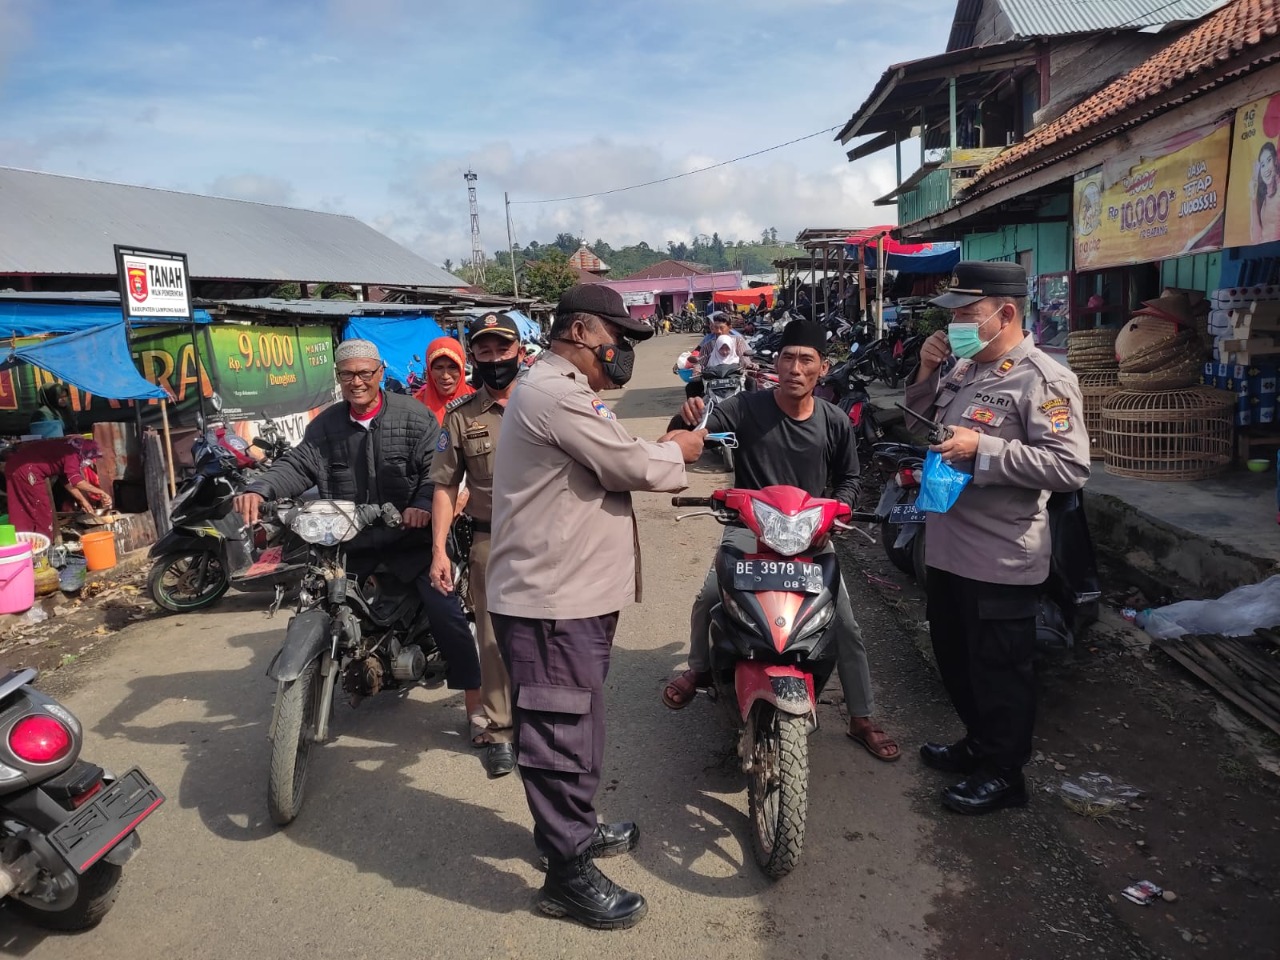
x=564 y=562
x=1017 y=423
x=467 y=448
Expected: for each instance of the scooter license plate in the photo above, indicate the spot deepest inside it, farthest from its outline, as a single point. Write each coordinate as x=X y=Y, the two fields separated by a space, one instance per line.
x=906 y=513
x=106 y=820
x=790 y=575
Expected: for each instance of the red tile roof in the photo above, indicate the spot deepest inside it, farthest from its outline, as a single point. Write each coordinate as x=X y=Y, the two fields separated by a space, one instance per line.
x=1208 y=50
x=666 y=269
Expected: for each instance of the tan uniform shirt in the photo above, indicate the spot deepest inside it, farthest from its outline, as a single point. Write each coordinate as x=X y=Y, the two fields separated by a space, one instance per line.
x=467 y=447
x=564 y=535
x=1027 y=407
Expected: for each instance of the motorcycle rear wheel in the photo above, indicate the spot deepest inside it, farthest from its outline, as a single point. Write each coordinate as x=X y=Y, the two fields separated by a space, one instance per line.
x=900 y=557
x=295 y=731
x=175 y=581
x=778 y=792
x=919 y=569
x=99 y=887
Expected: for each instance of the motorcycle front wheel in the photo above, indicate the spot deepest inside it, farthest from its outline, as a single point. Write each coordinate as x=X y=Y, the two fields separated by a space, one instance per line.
x=778 y=792
x=188 y=581
x=296 y=717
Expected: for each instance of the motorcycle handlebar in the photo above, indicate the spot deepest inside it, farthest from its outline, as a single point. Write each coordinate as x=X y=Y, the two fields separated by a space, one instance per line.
x=691 y=501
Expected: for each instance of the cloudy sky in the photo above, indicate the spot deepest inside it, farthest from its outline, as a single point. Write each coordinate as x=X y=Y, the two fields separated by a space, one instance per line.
x=375 y=108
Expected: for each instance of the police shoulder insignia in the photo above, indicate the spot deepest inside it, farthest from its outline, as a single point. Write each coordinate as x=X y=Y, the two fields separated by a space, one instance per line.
x=1005 y=366
x=456 y=402
x=1059 y=419
x=1054 y=403
x=443 y=443
x=602 y=410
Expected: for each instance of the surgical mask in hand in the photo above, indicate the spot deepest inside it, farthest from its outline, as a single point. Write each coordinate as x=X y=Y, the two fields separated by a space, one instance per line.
x=966 y=340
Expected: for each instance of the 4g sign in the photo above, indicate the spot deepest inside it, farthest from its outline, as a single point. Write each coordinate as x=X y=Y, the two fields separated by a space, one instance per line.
x=153 y=283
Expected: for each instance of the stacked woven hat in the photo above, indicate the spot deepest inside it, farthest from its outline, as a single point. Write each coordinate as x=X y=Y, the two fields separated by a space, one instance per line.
x=1092 y=351
x=1158 y=348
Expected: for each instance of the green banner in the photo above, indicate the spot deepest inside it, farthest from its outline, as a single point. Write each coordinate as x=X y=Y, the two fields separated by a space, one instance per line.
x=271 y=371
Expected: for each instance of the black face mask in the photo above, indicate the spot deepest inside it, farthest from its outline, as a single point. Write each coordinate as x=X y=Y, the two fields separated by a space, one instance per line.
x=617 y=359
x=498 y=374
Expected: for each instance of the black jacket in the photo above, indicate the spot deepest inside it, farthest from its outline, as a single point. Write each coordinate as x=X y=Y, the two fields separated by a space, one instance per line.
x=388 y=463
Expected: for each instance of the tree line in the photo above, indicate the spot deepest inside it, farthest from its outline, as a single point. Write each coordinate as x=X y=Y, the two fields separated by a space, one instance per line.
x=544 y=272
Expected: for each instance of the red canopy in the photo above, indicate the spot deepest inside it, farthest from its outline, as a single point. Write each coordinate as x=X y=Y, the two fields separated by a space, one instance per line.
x=868 y=236
x=744 y=298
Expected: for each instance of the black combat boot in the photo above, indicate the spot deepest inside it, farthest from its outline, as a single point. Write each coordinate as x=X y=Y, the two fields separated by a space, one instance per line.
x=577 y=889
x=609 y=840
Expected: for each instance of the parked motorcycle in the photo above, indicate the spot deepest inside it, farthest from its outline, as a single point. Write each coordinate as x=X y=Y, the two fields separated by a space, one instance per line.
x=366 y=633
x=901 y=523
x=843 y=387
x=208 y=546
x=67 y=826
x=719 y=383
x=772 y=649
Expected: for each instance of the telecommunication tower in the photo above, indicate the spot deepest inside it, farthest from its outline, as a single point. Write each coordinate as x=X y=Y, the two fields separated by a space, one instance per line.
x=477 y=250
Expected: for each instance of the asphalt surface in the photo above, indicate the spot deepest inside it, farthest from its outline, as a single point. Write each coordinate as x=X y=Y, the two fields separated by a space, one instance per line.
x=405 y=849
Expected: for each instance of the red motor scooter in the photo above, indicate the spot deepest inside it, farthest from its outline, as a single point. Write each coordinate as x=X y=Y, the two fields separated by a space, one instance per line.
x=773 y=648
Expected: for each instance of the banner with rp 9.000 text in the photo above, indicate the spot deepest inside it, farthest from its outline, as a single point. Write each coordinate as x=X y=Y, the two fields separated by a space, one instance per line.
x=1170 y=203
x=271 y=371
x=1253 y=200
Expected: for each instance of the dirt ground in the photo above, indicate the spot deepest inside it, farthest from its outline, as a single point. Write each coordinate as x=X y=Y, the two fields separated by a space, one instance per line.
x=1206 y=826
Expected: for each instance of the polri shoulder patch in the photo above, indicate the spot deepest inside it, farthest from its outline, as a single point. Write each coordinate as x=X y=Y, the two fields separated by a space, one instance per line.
x=602 y=410
x=1054 y=403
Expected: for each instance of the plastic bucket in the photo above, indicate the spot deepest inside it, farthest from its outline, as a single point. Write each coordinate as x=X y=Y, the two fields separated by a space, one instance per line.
x=99 y=550
x=17 y=579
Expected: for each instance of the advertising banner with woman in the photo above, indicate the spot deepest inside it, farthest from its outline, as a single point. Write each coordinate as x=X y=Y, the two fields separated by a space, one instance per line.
x=1167 y=204
x=1253 y=199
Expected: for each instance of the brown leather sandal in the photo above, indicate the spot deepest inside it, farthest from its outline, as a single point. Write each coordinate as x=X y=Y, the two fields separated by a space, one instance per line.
x=679 y=693
x=876 y=742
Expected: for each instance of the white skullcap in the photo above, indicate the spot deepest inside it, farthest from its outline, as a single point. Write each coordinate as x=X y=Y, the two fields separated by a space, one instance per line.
x=356 y=350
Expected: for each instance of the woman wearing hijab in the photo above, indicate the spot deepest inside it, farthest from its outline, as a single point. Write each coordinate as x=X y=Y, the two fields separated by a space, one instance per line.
x=29 y=469
x=446 y=364
x=55 y=406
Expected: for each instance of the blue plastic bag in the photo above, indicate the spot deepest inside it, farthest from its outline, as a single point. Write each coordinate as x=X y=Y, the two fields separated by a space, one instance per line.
x=940 y=485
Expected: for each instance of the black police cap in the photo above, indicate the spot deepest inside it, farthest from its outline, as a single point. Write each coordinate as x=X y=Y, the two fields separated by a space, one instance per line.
x=603 y=302
x=973 y=280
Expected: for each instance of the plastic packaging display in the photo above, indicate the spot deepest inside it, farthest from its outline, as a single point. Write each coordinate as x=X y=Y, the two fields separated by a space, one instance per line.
x=940 y=484
x=1235 y=614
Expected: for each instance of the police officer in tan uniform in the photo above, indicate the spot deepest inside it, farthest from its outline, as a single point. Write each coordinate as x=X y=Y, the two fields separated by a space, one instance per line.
x=564 y=562
x=466 y=449
x=1018 y=429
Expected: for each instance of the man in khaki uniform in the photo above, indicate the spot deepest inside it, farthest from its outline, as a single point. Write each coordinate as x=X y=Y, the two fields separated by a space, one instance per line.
x=466 y=448
x=1018 y=429
x=564 y=562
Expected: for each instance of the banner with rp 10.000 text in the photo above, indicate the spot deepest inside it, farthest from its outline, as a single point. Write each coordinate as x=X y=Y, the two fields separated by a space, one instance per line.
x=1170 y=203
x=1253 y=199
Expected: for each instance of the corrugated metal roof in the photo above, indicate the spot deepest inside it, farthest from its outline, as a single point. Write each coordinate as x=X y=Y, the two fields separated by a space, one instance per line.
x=327 y=308
x=1049 y=18
x=51 y=224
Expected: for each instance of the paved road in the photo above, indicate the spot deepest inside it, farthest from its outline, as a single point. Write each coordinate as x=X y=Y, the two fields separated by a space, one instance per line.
x=405 y=849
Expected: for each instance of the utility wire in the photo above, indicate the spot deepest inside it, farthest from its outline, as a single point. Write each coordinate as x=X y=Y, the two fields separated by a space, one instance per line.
x=678 y=176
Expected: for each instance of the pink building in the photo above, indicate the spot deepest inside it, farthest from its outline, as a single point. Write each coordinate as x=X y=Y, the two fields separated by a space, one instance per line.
x=670 y=284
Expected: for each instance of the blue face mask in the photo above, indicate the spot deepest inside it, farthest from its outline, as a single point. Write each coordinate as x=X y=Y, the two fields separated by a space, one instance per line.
x=965 y=338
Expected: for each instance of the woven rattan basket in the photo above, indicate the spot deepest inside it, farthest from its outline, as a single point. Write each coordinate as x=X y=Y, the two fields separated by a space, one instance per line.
x=1096 y=386
x=1184 y=373
x=1161 y=354
x=1167 y=434
x=1142 y=332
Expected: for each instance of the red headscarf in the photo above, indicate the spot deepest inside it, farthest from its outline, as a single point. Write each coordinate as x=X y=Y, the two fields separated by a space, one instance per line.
x=432 y=397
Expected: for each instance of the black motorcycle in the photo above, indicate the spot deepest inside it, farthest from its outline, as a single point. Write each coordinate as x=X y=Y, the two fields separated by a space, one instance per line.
x=847 y=390
x=366 y=633
x=208 y=547
x=899 y=465
x=67 y=826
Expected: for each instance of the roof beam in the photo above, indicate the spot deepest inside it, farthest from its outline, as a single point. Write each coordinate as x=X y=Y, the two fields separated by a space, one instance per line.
x=857 y=122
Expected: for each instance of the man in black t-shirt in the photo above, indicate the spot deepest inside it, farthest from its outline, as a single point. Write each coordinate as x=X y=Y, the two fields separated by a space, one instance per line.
x=788 y=437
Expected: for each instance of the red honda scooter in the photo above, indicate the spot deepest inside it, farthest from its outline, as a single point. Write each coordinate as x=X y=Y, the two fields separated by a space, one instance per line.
x=773 y=649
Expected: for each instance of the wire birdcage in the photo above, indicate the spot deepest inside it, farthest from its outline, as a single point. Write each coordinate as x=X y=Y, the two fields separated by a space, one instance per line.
x=1167 y=434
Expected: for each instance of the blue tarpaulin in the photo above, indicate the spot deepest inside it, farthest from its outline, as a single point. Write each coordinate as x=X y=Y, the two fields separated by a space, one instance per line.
x=23 y=318
x=94 y=359
x=529 y=331
x=397 y=339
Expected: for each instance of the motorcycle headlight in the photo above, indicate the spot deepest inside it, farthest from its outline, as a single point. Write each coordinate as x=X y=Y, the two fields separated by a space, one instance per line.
x=817 y=622
x=326 y=522
x=783 y=534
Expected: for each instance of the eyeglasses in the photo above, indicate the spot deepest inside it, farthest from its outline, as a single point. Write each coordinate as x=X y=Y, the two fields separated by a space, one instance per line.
x=364 y=376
